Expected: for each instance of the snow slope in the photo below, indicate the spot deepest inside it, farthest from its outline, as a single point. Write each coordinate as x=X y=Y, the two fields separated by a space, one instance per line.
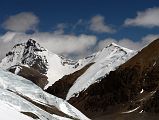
x=104 y=61
x=8 y=113
x=14 y=90
x=59 y=67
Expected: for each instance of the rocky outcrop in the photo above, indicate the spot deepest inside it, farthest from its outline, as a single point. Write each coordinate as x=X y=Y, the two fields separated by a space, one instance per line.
x=124 y=85
x=31 y=74
x=32 y=59
x=61 y=87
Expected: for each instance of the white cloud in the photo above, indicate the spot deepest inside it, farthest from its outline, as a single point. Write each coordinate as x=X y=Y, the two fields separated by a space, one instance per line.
x=122 y=42
x=148 y=18
x=56 y=43
x=60 y=28
x=21 y=22
x=67 y=45
x=128 y=43
x=60 y=43
x=149 y=38
x=97 y=24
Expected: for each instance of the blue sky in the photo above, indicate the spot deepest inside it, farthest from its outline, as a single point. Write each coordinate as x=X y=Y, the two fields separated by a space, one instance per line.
x=53 y=12
x=75 y=17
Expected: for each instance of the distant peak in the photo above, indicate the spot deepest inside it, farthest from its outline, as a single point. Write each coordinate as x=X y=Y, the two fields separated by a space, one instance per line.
x=36 y=46
x=113 y=44
x=119 y=47
x=31 y=42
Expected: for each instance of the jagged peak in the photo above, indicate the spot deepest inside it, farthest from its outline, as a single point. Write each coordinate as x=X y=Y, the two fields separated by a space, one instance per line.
x=29 y=53
x=30 y=43
x=36 y=46
x=113 y=44
x=119 y=47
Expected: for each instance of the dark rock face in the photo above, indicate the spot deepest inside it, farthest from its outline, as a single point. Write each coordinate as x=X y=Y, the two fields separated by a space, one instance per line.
x=61 y=87
x=123 y=86
x=152 y=105
x=31 y=74
x=32 y=59
x=30 y=55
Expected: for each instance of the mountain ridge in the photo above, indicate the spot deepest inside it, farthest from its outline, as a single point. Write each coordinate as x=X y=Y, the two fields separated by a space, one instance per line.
x=54 y=67
x=133 y=87
x=102 y=63
x=114 y=83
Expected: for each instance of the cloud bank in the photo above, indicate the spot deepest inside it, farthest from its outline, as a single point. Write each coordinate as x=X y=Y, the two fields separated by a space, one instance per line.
x=148 y=18
x=21 y=22
x=57 y=43
x=60 y=43
x=67 y=45
x=128 y=43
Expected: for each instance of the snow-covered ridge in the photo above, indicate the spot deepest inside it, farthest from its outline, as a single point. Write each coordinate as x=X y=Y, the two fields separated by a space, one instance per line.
x=105 y=61
x=31 y=54
x=10 y=84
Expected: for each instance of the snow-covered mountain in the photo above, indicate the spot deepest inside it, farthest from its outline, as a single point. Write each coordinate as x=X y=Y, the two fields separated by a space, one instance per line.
x=21 y=98
x=100 y=64
x=31 y=54
x=131 y=92
x=40 y=66
x=104 y=61
x=114 y=83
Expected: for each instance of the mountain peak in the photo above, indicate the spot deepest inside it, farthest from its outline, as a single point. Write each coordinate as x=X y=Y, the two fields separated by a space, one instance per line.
x=31 y=42
x=35 y=46
x=113 y=44
x=29 y=53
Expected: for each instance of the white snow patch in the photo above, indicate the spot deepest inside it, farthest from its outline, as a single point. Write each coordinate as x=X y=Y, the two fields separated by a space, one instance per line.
x=154 y=63
x=17 y=70
x=141 y=111
x=130 y=111
x=142 y=91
